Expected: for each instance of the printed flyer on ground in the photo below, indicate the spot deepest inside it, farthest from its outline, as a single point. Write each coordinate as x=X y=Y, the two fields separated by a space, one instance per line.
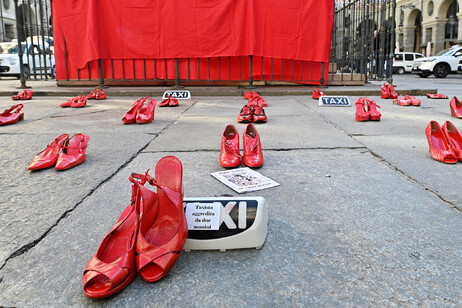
x=244 y=180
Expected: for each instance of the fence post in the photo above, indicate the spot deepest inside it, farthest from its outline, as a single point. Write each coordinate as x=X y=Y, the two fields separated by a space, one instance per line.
x=19 y=28
x=101 y=77
x=177 y=75
x=250 y=86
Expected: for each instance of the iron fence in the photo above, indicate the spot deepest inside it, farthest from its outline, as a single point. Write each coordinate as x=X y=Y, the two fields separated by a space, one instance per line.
x=363 y=40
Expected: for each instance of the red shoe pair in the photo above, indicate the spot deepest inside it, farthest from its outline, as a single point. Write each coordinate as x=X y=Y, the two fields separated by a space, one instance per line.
x=445 y=144
x=388 y=91
x=317 y=93
x=97 y=94
x=437 y=96
x=141 y=112
x=169 y=102
x=23 y=95
x=148 y=238
x=255 y=98
x=230 y=156
x=75 y=102
x=63 y=153
x=12 y=115
x=366 y=109
x=407 y=101
x=252 y=112
x=456 y=108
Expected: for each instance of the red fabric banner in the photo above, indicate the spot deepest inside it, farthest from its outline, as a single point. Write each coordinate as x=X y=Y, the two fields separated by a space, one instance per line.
x=167 y=29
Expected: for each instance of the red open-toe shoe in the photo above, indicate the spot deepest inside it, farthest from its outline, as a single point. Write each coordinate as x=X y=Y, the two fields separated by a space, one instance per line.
x=253 y=154
x=50 y=154
x=112 y=268
x=97 y=94
x=146 y=112
x=438 y=144
x=12 y=115
x=73 y=152
x=130 y=116
x=163 y=228
x=23 y=95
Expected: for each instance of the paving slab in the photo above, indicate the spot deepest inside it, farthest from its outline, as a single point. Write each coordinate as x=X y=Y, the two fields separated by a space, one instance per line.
x=337 y=236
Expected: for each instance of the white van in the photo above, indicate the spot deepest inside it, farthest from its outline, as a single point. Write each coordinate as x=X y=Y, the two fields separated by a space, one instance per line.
x=402 y=62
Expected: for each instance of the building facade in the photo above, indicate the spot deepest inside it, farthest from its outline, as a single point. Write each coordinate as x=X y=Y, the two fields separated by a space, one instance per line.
x=428 y=26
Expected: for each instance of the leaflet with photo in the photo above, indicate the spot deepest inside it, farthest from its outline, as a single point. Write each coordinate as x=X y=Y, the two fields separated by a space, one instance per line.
x=244 y=180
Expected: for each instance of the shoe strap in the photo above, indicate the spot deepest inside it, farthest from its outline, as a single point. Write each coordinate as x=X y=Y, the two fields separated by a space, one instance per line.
x=142 y=179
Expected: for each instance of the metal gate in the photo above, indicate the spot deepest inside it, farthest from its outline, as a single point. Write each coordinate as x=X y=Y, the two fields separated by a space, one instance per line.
x=363 y=40
x=26 y=39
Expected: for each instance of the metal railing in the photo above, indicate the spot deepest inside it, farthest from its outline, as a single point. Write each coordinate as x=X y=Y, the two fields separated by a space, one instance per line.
x=363 y=40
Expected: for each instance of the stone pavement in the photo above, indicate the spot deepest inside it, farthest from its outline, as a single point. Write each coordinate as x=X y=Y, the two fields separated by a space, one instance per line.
x=363 y=215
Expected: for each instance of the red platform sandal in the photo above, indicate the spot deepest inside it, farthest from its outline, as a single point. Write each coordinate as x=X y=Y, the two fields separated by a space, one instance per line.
x=146 y=113
x=454 y=138
x=438 y=144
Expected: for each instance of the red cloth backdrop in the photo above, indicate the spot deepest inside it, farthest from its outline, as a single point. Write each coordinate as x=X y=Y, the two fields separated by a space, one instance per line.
x=166 y=29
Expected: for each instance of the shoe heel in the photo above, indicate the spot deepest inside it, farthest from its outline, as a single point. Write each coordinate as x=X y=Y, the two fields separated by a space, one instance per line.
x=21 y=117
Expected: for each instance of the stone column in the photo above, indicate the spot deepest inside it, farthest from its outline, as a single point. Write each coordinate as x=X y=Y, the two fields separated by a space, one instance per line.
x=408 y=38
x=459 y=36
x=438 y=36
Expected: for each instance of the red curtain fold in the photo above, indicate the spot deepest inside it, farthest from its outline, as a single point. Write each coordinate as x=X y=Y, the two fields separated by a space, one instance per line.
x=88 y=30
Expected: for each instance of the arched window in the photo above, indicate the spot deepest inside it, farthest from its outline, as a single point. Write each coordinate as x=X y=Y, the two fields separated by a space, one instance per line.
x=452 y=25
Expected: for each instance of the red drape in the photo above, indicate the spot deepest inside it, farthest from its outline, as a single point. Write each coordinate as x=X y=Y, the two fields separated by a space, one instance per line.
x=89 y=30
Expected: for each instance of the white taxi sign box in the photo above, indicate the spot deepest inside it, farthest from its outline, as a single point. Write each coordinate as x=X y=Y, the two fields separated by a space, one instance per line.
x=222 y=223
x=334 y=101
x=178 y=94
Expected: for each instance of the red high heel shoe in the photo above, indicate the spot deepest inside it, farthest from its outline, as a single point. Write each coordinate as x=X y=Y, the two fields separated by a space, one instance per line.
x=163 y=228
x=402 y=101
x=229 y=150
x=75 y=102
x=454 y=138
x=12 y=115
x=317 y=93
x=437 y=96
x=392 y=91
x=146 y=112
x=130 y=116
x=456 y=108
x=259 y=115
x=169 y=102
x=362 y=114
x=73 y=152
x=112 y=268
x=97 y=94
x=253 y=154
x=438 y=144
x=23 y=95
x=414 y=101
x=50 y=154
x=385 y=91
x=374 y=114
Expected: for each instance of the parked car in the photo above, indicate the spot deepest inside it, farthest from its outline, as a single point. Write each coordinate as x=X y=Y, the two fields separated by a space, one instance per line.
x=440 y=65
x=402 y=62
x=34 y=59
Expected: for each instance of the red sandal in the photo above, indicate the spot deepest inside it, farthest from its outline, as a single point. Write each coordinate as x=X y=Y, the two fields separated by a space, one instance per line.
x=97 y=94
x=163 y=228
x=12 y=115
x=50 y=154
x=23 y=95
x=73 y=152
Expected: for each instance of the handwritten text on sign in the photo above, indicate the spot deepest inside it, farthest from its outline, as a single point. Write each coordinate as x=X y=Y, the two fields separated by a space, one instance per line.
x=203 y=216
x=334 y=101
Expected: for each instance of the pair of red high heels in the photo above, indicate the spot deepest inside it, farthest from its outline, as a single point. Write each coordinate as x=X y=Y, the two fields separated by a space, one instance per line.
x=12 y=115
x=388 y=91
x=148 y=238
x=141 y=112
x=169 y=102
x=407 y=101
x=456 y=107
x=23 y=95
x=317 y=93
x=445 y=143
x=230 y=156
x=366 y=109
x=97 y=94
x=63 y=153
x=79 y=101
x=252 y=112
x=255 y=99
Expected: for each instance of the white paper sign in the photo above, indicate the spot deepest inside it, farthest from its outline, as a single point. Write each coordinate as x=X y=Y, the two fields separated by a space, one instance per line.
x=178 y=94
x=203 y=216
x=342 y=101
